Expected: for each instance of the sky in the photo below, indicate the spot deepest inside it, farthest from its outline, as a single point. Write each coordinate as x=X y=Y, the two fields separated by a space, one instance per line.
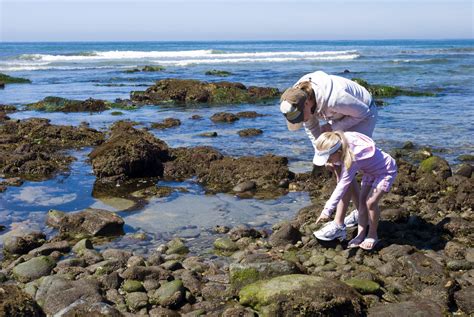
x=176 y=20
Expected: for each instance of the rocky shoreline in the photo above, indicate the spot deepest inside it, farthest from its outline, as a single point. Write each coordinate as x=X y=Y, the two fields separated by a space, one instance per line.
x=424 y=264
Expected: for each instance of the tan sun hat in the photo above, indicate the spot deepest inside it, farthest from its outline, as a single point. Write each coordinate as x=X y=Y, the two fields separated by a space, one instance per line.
x=292 y=106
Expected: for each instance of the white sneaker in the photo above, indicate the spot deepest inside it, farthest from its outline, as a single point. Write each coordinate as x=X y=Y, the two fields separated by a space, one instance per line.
x=352 y=219
x=331 y=231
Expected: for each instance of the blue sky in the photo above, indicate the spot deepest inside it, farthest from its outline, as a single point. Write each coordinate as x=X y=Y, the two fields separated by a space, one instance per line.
x=161 y=20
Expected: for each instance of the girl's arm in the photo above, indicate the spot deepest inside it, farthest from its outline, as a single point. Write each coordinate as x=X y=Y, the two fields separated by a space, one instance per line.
x=341 y=188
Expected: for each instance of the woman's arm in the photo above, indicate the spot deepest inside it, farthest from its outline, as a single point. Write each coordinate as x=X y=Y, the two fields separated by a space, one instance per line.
x=353 y=109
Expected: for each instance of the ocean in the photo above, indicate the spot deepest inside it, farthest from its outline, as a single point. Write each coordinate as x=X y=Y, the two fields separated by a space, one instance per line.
x=97 y=69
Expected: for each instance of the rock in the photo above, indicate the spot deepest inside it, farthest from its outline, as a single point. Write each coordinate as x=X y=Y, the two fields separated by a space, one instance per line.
x=363 y=286
x=136 y=301
x=21 y=244
x=48 y=248
x=116 y=254
x=244 y=186
x=193 y=91
x=242 y=274
x=111 y=281
x=91 y=222
x=398 y=215
x=225 y=244
x=248 y=114
x=437 y=166
x=224 y=117
x=470 y=255
x=56 y=293
x=177 y=246
x=293 y=294
x=131 y=286
x=153 y=68
x=395 y=251
x=389 y=91
x=219 y=73
x=170 y=294
x=422 y=308
x=14 y=302
x=465 y=170
x=54 y=218
x=166 y=123
x=455 y=250
x=67 y=105
x=456 y=226
x=163 y=312
x=136 y=260
x=249 y=132
x=129 y=153
x=83 y=308
x=192 y=281
x=82 y=245
x=33 y=269
x=141 y=273
x=196 y=117
x=5 y=79
x=466 y=158
x=243 y=231
x=465 y=299
x=286 y=234
x=208 y=134
x=457 y=265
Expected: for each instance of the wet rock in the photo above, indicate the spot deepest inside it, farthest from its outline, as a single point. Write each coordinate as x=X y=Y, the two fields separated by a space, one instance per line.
x=56 y=293
x=21 y=244
x=67 y=105
x=194 y=91
x=242 y=231
x=163 y=312
x=224 y=117
x=91 y=222
x=177 y=246
x=292 y=294
x=166 y=124
x=170 y=294
x=437 y=166
x=153 y=68
x=130 y=286
x=244 y=186
x=48 y=248
x=242 y=274
x=389 y=91
x=225 y=244
x=33 y=269
x=218 y=73
x=466 y=158
x=136 y=301
x=363 y=286
x=141 y=273
x=136 y=260
x=14 y=302
x=54 y=218
x=6 y=79
x=192 y=281
x=465 y=299
x=129 y=153
x=196 y=117
x=82 y=245
x=83 y=308
x=286 y=234
x=7 y=108
x=208 y=134
x=249 y=132
x=248 y=114
x=422 y=308
x=465 y=170
x=395 y=215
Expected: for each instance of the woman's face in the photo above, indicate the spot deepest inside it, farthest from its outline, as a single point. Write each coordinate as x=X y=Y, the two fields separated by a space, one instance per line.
x=336 y=157
x=309 y=108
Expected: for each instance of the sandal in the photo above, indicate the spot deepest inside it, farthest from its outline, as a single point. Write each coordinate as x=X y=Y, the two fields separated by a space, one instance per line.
x=369 y=240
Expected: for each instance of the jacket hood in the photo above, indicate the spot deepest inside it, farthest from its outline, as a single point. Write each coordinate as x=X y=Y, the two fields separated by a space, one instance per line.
x=361 y=145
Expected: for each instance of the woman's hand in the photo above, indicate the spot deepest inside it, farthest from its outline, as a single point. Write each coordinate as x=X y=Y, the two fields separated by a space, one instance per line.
x=322 y=217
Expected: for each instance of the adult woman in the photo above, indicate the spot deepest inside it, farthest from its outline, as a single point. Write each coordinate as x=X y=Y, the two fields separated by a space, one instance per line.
x=344 y=106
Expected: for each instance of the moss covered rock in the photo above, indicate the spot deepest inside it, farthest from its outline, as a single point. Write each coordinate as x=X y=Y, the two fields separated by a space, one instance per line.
x=218 y=73
x=153 y=68
x=33 y=269
x=390 y=91
x=52 y=103
x=4 y=78
x=306 y=295
x=437 y=166
x=225 y=244
x=184 y=91
x=363 y=286
x=242 y=274
x=170 y=294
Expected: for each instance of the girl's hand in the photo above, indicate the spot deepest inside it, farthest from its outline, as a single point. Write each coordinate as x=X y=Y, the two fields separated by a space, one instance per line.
x=322 y=217
x=326 y=128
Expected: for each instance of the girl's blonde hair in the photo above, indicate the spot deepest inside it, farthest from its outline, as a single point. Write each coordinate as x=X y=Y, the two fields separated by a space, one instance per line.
x=328 y=139
x=308 y=89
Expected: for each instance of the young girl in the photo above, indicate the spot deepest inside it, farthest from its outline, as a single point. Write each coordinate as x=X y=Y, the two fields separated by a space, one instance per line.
x=355 y=152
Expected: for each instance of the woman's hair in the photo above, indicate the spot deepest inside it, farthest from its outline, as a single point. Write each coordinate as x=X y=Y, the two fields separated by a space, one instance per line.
x=308 y=89
x=328 y=139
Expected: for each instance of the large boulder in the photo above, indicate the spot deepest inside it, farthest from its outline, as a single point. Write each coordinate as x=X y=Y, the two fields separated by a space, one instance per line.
x=437 y=166
x=194 y=91
x=55 y=293
x=91 y=222
x=296 y=294
x=129 y=153
x=22 y=243
x=51 y=103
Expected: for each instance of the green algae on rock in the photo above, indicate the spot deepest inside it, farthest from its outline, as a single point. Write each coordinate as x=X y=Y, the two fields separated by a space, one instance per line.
x=188 y=91
x=299 y=294
x=437 y=166
x=390 y=91
x=52 y=103
x=363 y=286
x=6 y=79
x=218 y=73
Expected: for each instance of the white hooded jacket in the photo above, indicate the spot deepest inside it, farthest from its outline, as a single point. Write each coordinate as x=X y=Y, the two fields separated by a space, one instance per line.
x=340 y=101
